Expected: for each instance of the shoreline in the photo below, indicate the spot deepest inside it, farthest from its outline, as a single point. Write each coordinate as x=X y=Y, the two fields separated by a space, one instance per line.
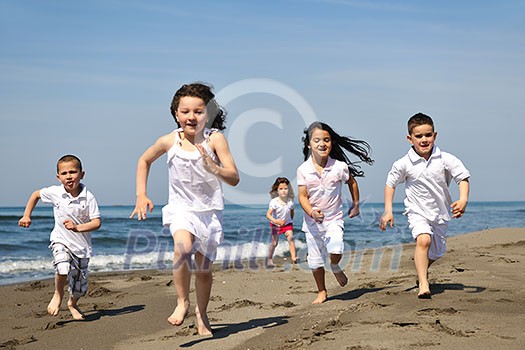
x=477 y=302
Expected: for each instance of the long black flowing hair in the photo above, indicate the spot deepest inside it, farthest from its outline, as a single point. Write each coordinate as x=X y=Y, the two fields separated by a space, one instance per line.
x=361 y=149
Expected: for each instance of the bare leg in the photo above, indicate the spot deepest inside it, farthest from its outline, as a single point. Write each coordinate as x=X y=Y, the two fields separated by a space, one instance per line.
x=271 y=250
x=322 y=295
x=73 y=308
x=183 y=241
x=291 y=243
x=203 y=283
x=338 y=272
x=422 y=263
x=54 y=305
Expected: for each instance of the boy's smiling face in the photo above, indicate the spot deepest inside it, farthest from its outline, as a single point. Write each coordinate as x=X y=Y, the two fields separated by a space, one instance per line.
x=422 y=139
x=69 y=176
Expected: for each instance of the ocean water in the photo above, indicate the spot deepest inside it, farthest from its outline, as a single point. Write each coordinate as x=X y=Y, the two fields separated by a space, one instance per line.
x=123 y=243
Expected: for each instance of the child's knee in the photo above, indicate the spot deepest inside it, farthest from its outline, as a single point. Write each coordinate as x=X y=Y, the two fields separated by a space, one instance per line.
x=424 y=240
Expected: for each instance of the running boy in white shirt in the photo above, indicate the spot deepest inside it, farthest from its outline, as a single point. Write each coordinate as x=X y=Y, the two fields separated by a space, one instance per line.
x=426 y=172
x=76 y=214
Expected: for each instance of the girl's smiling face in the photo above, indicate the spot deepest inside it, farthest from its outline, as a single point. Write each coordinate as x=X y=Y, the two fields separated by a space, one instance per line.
x=192 y=115
x=320 y=143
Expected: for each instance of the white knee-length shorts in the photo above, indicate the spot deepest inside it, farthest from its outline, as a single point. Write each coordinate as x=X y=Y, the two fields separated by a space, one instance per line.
x=323 y=239
x=437 y=231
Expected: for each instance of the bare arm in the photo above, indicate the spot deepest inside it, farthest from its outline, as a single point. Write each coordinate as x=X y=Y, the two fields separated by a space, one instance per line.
x=314 y=213
x=273 y=220
x=459 y=206
x=227 y=172
x=161 y=146
x=354 y=192
x=93 y=225
x=388 y=216
x=25 y=221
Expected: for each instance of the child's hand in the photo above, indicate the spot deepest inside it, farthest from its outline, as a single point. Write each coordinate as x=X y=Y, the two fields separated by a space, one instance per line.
x=278 y=222
x=24 y=222
x=354 y=211
x=458 y=208
x=385 y=219
x=141 y=207
x=317 y=215
x=208 y=163
x=70 y=225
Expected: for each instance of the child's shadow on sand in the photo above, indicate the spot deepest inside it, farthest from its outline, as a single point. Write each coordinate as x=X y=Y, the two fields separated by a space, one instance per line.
x=438 y=288
x=96 y=315
x=356 y=293
x=221 y=331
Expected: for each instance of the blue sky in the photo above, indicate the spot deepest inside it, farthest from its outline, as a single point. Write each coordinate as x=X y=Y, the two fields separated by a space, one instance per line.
x=96 y=79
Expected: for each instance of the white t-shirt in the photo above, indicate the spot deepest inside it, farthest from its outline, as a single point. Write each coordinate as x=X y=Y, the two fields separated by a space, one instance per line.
x=426 y=182
x=282 y=211
x=81 y=209
x=324 y=190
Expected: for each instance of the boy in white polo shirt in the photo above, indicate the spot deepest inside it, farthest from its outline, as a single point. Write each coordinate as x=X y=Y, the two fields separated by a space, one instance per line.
x=76 y=214
x=427 y=173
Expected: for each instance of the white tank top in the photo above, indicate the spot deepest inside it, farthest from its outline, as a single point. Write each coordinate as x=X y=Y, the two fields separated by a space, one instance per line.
x=191 y=187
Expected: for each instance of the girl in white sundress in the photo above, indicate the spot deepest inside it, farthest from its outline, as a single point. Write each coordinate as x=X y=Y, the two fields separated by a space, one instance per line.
x=199 y=160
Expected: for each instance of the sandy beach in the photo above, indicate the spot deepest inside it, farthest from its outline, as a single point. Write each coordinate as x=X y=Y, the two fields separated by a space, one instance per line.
x=478 y=302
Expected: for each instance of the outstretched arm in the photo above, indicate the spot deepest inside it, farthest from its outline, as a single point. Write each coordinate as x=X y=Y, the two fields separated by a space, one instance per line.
x=25 y=221
x=388 y=216
x=459 y=206
x=144 y=163
x=354 y=192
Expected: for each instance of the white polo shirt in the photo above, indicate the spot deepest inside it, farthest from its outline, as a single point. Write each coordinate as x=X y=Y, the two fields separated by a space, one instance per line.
x=282 y=211
x=80 y=210
x=426 y=182
x=324 y=190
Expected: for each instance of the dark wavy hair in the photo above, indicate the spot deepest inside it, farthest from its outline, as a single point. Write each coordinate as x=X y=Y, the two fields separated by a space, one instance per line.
x=275 y=186
x=216 y=114
x=361 y=149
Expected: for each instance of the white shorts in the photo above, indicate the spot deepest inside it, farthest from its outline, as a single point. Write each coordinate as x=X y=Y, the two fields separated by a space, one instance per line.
x=438 y=233
x=323 y=239
x=206 y=227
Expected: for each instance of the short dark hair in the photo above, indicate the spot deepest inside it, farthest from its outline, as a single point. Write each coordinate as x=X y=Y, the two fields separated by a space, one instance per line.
x=70 y=158
x=419 y=119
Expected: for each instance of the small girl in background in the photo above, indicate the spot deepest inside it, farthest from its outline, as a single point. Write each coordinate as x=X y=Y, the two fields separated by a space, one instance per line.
x=280 y=213
x=320 y=180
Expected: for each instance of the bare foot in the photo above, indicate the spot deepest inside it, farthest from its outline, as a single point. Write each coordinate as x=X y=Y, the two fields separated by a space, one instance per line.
x=339 y=275
x=321 y=297
x=180 y=312
x=75 y=311
x=424 y=291
x=203 y=324
x=270 y=264
x=54 y=305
